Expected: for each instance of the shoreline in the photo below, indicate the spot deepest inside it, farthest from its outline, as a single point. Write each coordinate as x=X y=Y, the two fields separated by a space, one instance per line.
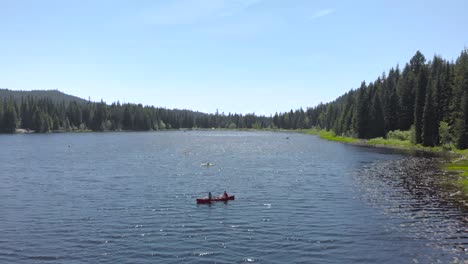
x=453 y=162
x=29 y=131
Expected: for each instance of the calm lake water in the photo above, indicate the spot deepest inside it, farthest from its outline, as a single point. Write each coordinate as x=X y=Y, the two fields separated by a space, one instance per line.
x=130 y=198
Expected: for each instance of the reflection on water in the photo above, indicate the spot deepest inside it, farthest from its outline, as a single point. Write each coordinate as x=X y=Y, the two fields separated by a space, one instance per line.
x=411 y=190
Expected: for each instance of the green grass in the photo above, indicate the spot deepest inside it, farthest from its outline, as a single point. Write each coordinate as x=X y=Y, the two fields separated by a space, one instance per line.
x=330 y=135
x=462 y=181
x=460 y=166
x=463 y=152
x=390 y=142
x=403 y=144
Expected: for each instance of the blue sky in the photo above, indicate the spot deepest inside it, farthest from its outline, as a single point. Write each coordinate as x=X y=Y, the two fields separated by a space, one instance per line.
x=240 y=56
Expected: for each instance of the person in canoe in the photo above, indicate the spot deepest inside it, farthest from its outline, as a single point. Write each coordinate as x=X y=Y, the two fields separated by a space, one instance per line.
x=221 y=198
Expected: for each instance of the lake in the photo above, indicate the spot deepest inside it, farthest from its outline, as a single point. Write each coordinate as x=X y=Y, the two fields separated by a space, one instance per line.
x=130 y=198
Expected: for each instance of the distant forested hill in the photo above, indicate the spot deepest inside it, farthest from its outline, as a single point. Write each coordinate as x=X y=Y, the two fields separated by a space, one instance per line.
x=44 y=111
x=54 y=95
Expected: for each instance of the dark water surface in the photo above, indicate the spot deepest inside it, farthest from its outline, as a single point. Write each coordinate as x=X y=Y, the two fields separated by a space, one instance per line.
x=130 y=198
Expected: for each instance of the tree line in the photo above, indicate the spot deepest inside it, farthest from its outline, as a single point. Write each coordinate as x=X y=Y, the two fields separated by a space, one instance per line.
x=428 y=98
x=43 y=114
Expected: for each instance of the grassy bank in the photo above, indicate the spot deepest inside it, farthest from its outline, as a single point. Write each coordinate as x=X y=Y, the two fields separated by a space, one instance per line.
x=462 y=168
x=330 y=135
x=459 y=166
x=457 y=161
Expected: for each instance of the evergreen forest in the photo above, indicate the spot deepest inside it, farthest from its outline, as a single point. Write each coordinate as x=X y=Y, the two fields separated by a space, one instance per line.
x=48 y=111
x=429 y=98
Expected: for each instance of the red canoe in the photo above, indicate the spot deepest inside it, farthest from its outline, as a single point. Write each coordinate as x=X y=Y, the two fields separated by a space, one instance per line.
x=215 y=199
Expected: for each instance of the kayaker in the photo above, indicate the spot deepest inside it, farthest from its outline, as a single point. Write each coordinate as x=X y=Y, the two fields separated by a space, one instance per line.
x=209 y=195
x=226 y=195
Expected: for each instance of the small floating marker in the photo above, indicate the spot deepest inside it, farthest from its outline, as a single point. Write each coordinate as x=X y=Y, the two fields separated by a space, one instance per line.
x=205 y=254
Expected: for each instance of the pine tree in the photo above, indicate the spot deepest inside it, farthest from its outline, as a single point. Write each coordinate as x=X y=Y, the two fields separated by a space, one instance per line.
x=38 y=122
x=362 y=110
x=430 y=122
x=346 y=116
x=460 y=111
x=26 y=115
x=462 y=124
x=435 y=99
x=391 y=104
x=276 y=120
x=9 y=119
x=446 y=91
x=405 y=90
x=420 y=99
x=99 y=117
x=127 y=118
x=2 y=128
x=377 y=127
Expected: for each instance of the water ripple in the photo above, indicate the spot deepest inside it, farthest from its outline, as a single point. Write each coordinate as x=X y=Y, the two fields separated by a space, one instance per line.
x=410 y=190
x=130 y=198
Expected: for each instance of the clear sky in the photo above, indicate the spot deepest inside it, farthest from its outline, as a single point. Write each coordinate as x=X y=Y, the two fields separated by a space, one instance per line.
x=240 y=56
